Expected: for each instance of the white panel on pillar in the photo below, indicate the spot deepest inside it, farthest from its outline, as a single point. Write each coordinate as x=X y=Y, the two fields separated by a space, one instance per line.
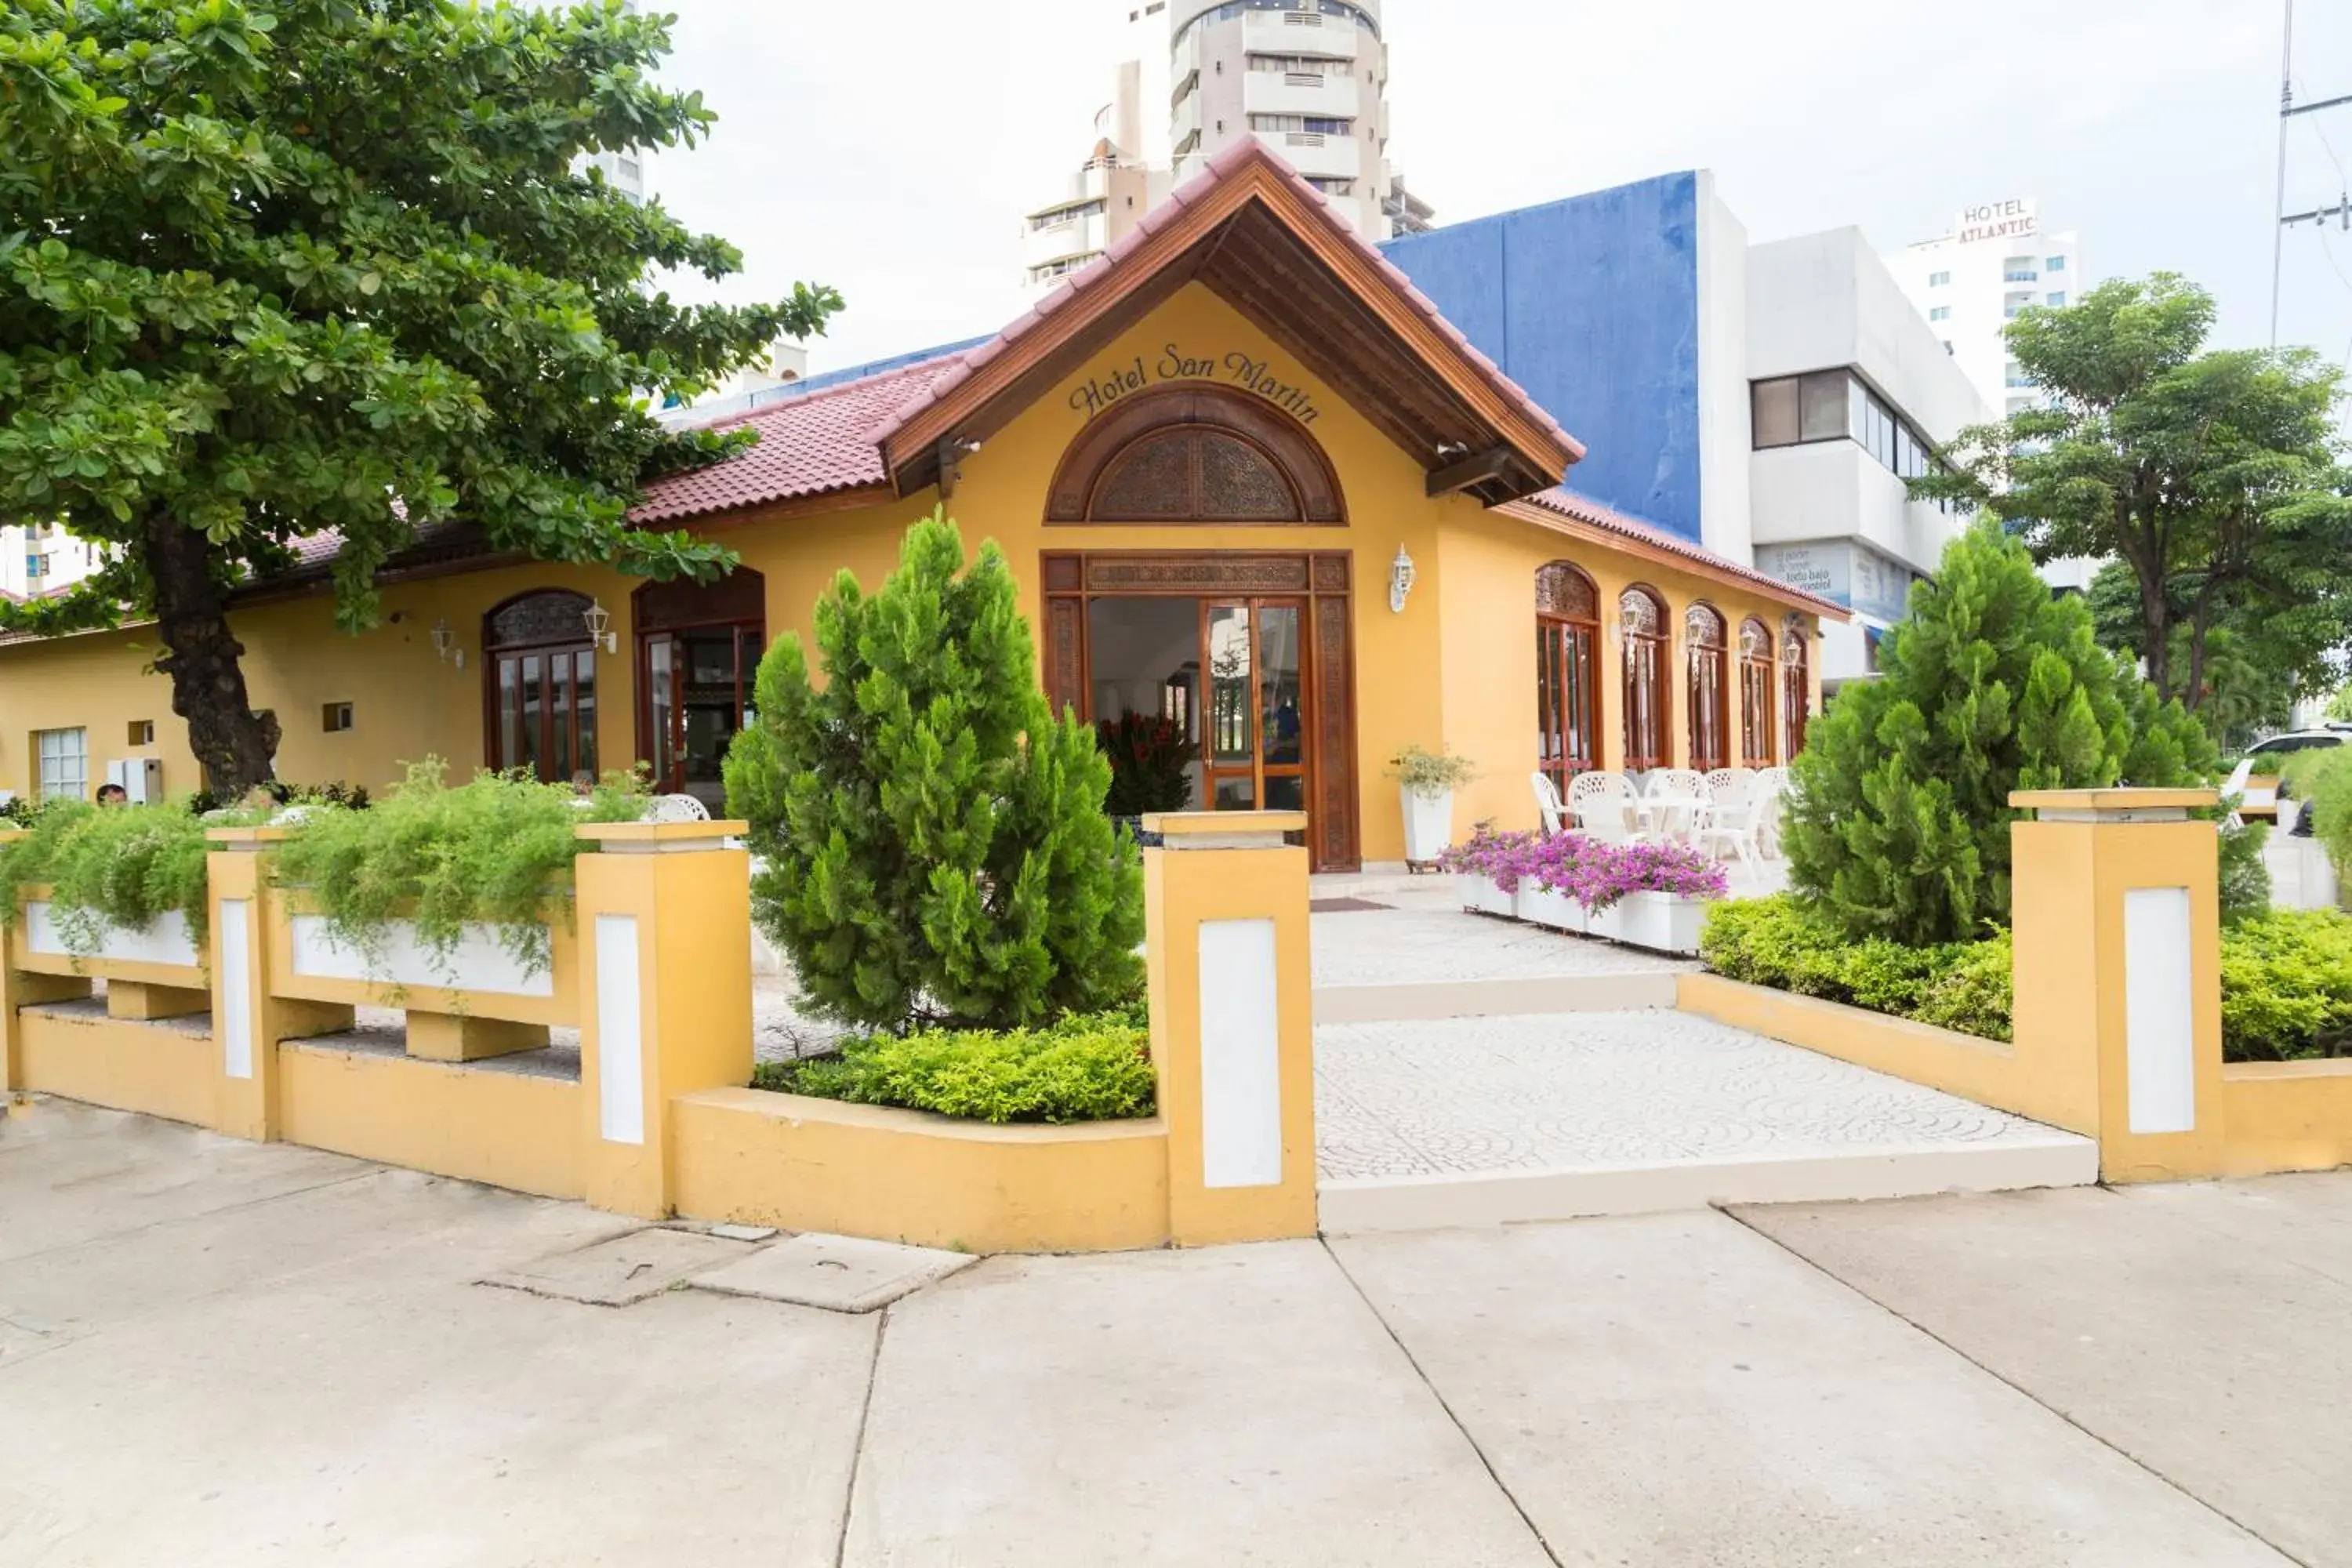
x=239 y=1048
x=2159 y=1013
x=620 y=1033
x=1241 y=1056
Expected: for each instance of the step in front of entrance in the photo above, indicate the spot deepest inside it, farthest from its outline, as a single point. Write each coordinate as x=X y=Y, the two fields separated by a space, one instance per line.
x=1470 y=1199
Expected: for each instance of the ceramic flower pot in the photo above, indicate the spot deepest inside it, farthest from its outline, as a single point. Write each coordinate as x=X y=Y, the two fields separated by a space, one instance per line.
x=1428 y=824
x=1662 y=922
x=1483 y=896
x=1545 y=907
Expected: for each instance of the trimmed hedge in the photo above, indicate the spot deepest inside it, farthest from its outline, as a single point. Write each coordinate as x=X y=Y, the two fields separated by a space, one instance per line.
x=1783 y=942
x=1092 y=1066
x=2286 y=976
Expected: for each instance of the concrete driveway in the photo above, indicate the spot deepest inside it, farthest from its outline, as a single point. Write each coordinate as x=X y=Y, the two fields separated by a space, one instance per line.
x=214 y=1353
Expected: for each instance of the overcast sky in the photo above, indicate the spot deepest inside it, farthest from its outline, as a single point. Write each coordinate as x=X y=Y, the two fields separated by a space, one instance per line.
x=888 y=147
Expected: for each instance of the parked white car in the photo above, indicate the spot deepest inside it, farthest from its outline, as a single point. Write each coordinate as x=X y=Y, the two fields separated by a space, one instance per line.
x=2260 y=794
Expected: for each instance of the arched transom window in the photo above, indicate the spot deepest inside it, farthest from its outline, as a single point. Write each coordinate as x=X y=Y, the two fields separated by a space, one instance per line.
x=1642 y=626
x=1757 y=720
x=1194 y=453
x=1567 y=672
x=1710 y=733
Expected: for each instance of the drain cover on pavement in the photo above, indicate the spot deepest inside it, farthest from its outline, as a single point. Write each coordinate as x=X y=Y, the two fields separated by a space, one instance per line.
x=625 y=1269
x=839 y=1273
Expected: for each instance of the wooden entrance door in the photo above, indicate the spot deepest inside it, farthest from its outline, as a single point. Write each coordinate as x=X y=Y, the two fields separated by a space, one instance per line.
x=1301 y=744
x=1254 y=750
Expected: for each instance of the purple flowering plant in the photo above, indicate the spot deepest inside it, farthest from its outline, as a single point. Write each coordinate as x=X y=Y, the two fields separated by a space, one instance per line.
x=1596 y=875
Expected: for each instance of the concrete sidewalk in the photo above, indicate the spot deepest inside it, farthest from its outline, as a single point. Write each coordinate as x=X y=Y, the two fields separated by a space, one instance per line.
x=221 y=1353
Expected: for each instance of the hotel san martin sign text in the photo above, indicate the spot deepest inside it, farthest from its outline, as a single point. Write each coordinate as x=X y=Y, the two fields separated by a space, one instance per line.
x=2011 y=219
x=1101 y=391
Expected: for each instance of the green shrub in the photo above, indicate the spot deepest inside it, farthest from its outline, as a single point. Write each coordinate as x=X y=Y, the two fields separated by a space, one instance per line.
x=111 y=865
x=2245 y=875
x=2321 y=779
x=1898 y=816
x=2286 y=976
x=1088 y=1067
x=1788 y=945
x=2287 y=986
x=497 y=850
x=935 y=844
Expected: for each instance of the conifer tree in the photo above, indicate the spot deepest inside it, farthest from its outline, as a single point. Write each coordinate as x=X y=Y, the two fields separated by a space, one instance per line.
x=935 y=843
x=1899 y=820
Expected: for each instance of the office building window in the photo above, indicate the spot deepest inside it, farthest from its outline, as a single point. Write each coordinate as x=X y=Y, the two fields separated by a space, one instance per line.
x=2018 y=269
x=2057 y=297
x=2055 y=263
x=1940 y=312
x=1835 y=405
x=1939 y=279
x=63 y=757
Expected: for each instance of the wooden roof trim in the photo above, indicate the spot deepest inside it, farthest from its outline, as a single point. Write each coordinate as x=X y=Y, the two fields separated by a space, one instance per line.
x=1159 y=242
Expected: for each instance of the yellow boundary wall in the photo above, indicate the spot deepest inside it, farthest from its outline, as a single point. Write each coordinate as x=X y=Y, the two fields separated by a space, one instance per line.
x=656 y=972
x=2117 y=1018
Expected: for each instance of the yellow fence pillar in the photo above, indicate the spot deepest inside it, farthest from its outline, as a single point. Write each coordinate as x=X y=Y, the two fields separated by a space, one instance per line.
x=248 y=1020
x=20 y=989
x=2116 y=909
x=1233 y=1028
x=664 y=923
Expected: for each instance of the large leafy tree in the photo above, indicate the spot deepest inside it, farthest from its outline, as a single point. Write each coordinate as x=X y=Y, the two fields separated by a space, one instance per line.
x=274 y=268
x=933 y=839
x=1899 y=820
x=2254 y=666
x=2213 y=475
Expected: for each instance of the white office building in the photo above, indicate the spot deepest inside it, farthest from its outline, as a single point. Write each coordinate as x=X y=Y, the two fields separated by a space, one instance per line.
x=1850 y=393
x=1971 y=283
x=41 y=558
x=1308 y=77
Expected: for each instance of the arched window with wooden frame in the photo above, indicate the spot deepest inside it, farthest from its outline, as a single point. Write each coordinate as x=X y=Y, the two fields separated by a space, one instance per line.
x=539 y=685
x=1757 y=720
x=1567 y=673
x=1641 y=629
x=1200 y=454
x=1796 y=683
x=1705 y=634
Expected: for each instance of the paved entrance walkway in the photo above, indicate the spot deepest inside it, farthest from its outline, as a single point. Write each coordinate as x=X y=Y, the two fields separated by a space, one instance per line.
x=217 y=1354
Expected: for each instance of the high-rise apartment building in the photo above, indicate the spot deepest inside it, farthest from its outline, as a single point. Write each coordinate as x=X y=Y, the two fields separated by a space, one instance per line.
x=1971 y=284
x=41 y=558
x=1308 y=77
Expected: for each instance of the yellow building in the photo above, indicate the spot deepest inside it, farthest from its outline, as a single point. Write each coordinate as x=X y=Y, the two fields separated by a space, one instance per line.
x=1245 y=476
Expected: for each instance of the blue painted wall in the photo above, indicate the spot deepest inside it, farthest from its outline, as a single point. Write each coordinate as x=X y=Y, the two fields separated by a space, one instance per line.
x=1592 y=304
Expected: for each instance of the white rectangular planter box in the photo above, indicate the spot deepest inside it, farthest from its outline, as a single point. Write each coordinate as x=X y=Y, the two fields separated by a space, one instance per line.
x=163 y=940
x=1663 y=922
x=480 y=962
x=1543 y=907
x=1480 y=895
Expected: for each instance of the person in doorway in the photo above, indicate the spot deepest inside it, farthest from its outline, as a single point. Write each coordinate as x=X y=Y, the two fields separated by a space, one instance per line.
x=113 y=794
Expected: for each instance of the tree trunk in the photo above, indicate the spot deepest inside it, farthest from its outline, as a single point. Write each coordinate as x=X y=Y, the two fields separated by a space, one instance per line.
x=234 y=744
x=2155 y=632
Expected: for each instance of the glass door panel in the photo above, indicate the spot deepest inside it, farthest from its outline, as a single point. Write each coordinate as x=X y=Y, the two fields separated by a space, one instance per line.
x=710 y=709
x=1229 y=750
x=661 y=714
x=1282 y=705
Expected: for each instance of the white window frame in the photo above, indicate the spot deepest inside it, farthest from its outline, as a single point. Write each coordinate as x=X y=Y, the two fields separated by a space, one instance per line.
x=62 y=765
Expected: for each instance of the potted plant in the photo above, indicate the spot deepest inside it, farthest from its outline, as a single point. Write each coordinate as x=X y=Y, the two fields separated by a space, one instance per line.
x=1149 y=757
x=1426 y=782
x=1488 y=869
x=1651 y=896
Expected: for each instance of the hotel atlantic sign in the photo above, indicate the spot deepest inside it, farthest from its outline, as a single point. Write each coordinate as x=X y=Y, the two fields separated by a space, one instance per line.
x=2013 y=219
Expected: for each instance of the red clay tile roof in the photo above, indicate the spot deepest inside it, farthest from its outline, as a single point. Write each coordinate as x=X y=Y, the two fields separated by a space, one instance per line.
x=808 y=446
x=1241 y=153
x=1585 y=510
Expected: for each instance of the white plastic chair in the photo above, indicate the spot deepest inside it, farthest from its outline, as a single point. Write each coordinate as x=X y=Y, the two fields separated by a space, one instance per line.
x=1732 y=817
x=1602 y=804
x=1677 y=822
x=2233 y=788
x=676 y=808
x=1548 y=803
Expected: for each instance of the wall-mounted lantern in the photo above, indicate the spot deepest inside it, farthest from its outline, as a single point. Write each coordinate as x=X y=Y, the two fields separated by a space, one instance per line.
x=445 y=643
x=598 y=620
x=1400 y=576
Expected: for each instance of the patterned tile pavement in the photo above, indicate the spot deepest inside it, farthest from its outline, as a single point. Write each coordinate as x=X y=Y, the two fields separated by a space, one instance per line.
x=1585 y=1090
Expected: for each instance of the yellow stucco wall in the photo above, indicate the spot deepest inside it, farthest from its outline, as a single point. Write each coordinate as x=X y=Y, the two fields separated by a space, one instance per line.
x=1457 y=666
